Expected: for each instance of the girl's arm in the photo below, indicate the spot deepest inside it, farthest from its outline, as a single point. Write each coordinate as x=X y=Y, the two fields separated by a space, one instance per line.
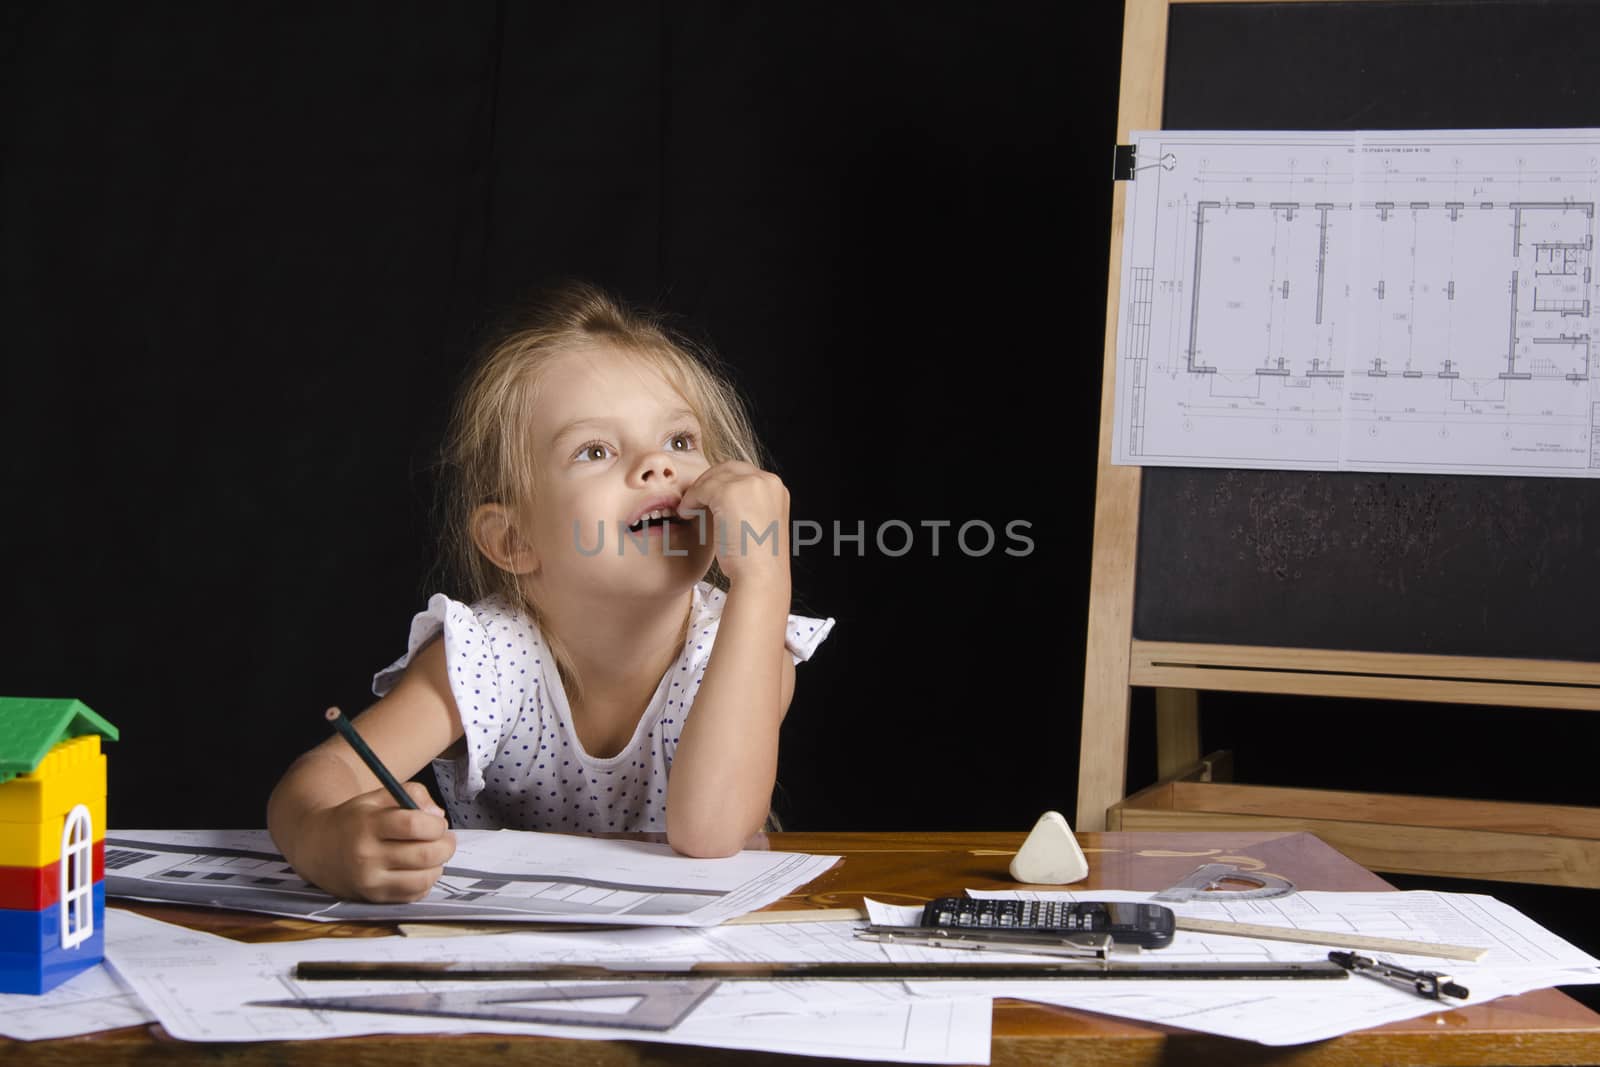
x=719 y=791
x=340 y=829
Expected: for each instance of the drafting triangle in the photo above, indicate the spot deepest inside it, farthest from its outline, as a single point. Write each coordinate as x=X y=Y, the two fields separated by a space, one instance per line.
x=657 y=1005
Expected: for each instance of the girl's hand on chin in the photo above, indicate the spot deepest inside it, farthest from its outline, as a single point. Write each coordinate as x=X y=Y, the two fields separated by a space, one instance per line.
x=749 y=519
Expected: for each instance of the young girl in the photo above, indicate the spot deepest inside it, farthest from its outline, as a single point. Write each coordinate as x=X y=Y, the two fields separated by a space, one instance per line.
x=612 y=523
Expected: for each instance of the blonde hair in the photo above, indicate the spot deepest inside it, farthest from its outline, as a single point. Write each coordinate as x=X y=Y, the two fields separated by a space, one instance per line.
x=489 y=457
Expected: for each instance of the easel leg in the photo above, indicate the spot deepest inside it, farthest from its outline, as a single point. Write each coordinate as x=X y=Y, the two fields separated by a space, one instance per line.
x=1102 y=753
x=1177 y=731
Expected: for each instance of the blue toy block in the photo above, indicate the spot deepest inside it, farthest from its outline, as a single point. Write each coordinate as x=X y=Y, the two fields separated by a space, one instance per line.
x=31 y=972
x=31 y=957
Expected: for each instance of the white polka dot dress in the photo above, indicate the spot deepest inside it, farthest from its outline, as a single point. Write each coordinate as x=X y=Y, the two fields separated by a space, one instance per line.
x=524 y=767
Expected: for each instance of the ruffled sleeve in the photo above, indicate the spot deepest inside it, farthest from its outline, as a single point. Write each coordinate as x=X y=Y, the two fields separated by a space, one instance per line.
x=801 y=636
x=488 y=650
x=804 y=635
x=425 y=626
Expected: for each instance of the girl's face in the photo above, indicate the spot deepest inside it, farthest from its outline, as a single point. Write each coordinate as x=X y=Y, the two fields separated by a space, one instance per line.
x=617 y=447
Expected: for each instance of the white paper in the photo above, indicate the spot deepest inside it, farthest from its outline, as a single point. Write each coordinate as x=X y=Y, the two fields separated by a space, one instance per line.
x=494 y=874
x=881 y=914
x=1512 y=939
x=199 y=985
x=1522 y=956
x=1361 y=300
x=1476 y=357
x=1214 y=355
x=85 y=1003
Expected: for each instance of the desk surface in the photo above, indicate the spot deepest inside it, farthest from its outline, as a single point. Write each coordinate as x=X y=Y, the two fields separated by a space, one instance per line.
x=1545 y=1027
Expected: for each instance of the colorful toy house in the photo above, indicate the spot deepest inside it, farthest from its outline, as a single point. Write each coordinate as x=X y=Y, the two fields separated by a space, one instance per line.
x=52 y=842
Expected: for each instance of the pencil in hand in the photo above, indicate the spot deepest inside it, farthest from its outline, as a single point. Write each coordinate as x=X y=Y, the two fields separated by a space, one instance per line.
x=347 y=730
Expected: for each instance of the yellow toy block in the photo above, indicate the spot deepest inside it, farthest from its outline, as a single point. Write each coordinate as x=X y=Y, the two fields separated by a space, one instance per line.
x=37 y=844
x=71 y=770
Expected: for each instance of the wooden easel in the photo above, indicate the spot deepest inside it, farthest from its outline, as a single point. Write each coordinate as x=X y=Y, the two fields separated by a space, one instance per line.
x=1550 y=844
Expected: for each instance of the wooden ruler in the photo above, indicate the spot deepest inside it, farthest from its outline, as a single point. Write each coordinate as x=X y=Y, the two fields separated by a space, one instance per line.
x=1319 y=937
x=790 y=915
x=796 y=915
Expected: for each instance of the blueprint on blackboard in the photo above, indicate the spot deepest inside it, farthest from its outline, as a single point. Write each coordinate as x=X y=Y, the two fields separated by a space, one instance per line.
x=1409 y=301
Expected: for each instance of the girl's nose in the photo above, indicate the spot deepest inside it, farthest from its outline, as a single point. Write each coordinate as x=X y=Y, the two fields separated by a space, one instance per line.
x=656 y=467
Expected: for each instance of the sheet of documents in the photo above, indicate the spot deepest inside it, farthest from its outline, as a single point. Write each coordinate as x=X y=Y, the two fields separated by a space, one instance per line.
x=1393 y=300
x=495 y=874
x=200 y=986
x=1522 y=956
x=83 y=1004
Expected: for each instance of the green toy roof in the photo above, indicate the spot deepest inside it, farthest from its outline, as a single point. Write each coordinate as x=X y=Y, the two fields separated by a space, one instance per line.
x=29 y=729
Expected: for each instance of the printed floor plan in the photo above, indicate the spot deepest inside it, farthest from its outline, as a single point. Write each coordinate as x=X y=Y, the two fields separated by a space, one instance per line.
x=1374 y=301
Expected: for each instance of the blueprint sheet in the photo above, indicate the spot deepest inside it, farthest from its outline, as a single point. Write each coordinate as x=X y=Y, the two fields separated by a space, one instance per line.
x=87 y=1002
x=200 y=986
x=1407 y=301
x=1522 y=956
x=509 y=875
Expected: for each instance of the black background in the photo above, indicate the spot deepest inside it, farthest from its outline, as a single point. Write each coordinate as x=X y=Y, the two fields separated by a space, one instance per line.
x=248 y=248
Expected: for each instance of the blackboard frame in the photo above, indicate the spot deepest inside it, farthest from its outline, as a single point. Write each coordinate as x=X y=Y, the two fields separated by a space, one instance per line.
x=1480 y=839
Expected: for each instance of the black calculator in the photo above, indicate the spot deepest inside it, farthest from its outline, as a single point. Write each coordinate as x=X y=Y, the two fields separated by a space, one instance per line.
x=1145 y=925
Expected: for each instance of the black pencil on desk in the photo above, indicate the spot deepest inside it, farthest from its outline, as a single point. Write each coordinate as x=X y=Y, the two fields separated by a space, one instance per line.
x=348 y=731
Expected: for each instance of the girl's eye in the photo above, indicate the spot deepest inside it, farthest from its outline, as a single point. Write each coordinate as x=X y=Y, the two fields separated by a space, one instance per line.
x=593 y=452
x=683 y=441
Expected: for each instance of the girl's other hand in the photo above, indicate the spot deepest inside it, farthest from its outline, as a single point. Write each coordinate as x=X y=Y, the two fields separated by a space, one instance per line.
x=383 y=853
x=749 y=519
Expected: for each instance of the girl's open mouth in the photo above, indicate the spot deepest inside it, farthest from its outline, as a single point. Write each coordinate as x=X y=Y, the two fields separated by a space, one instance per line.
x=658 y=522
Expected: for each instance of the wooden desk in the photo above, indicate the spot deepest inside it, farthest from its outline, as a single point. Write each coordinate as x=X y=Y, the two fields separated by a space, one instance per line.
x=1545 y=1027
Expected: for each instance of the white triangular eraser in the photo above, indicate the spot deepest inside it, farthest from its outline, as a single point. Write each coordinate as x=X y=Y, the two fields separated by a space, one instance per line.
x=1050 y=855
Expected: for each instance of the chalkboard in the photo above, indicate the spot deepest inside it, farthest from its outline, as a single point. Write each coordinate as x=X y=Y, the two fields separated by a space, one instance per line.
x=1465 y=566
x=1454 y=565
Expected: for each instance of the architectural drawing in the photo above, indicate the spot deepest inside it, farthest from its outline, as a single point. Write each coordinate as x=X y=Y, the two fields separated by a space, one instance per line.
x=494 y=874
x=1476 y=291
x=1376 y=301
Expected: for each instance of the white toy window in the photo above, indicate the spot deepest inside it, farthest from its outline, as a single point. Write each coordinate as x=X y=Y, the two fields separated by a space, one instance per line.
x=77 y=878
